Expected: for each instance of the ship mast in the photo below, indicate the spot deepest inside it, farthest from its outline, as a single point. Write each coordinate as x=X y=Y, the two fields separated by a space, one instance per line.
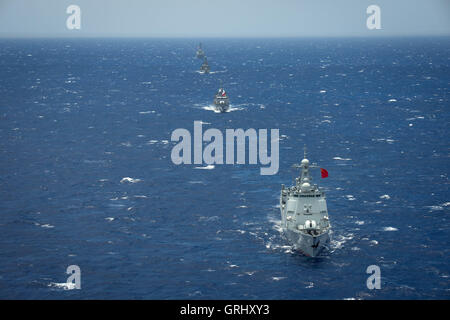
x=304 y=182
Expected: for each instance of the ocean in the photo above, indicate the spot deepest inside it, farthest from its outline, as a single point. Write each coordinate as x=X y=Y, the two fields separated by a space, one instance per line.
x=86 y=176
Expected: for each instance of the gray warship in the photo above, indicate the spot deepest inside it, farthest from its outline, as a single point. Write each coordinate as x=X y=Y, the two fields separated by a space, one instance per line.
x=221 y=101
x=200 y=53
x=205 y=67
x=304 y=213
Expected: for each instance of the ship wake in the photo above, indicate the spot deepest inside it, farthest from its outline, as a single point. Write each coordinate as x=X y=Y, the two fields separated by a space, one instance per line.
x=213 y=108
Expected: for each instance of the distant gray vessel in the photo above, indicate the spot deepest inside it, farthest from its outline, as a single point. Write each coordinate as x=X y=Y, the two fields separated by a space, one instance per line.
x=205 y=67
x=304 y=213
x=200 y=52
x=221 y=101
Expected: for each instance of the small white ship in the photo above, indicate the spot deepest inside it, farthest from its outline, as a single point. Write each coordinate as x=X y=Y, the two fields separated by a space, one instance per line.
x=304 y=213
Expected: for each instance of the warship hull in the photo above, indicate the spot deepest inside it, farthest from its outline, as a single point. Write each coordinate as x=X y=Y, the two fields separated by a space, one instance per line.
x=307 y=244
x=221 y=108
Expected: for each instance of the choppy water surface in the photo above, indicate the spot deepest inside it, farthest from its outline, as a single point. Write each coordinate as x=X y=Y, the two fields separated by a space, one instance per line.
x=86 y=176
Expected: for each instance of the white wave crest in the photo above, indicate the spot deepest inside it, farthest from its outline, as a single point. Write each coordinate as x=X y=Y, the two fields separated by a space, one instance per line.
x=129 y=180
x=63 y=285
x=208 y=167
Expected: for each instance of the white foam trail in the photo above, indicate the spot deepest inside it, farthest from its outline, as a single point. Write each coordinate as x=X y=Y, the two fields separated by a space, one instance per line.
x=213 y=108
x=342 y=159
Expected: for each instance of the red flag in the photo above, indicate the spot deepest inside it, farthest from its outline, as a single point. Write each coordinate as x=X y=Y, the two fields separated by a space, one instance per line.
x=324 y=172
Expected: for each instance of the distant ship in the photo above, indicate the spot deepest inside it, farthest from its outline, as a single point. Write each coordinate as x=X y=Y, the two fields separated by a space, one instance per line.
x=205 y=67
x=221 y=101
x=200 y=52
x=304 y=213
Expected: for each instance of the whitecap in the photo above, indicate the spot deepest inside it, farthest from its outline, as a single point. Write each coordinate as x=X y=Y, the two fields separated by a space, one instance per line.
x=385 y=196
x=342 y=159
x=129 y=180
x=147 y=112
x=435 y=208
x=278 y=278
x=390 y=229
x=208 y=167
x=203 y=218
x=390 y=141
x=196 y=182
x=63 y=285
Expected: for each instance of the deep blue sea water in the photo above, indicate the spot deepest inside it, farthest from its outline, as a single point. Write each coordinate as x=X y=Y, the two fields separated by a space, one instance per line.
x=79 y=116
